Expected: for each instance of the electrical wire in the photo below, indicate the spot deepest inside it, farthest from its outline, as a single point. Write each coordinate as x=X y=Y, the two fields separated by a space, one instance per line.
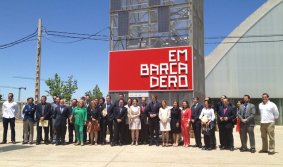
x=19 y=41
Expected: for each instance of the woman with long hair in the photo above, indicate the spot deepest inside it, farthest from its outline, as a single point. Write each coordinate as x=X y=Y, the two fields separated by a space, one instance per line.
x=185 y=122
x=175 y=122
x=164 y=116
x=134 y=121
x=207 y=118
x=93 y=124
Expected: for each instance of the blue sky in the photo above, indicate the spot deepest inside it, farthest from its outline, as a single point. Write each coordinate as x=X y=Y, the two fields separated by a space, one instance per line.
x=87 y=60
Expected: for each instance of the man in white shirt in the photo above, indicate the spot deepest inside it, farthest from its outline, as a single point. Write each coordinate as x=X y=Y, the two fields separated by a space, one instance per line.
x=268 y=113
x=9 y=109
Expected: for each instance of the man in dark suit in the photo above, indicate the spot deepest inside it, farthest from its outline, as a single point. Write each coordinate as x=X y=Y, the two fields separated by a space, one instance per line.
x=246 y=114
x=121 y=97
x=71 y=126
x=144 y=122
x=43 y=113
x=100 y=107
x=56 y=100
x=226 y=116
x=120 y=113
x=153 y=120
x=107 y=121
x=61 y=115
x=196 y=122
x=217 y=107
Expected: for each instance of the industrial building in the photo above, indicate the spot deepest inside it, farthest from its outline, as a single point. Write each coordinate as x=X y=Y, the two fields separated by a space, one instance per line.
x=249 y=60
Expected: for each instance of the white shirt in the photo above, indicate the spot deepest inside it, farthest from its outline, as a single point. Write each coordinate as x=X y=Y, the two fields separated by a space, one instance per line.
x=268 y=112
x=9 y=109
x=209 y=112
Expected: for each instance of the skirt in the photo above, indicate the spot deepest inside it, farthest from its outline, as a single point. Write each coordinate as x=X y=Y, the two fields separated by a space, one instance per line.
x=135 y=123
x=93 y=126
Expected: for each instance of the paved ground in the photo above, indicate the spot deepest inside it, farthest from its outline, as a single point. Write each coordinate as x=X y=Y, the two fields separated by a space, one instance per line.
x=70 y=155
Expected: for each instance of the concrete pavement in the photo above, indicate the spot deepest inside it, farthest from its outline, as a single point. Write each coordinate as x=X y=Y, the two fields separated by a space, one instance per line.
x=142 y=155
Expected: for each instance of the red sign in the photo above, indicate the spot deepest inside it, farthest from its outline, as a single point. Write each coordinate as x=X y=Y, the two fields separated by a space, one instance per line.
x=151 y=69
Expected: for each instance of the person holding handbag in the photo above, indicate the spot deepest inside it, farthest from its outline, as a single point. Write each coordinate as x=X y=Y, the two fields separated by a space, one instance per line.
x=207 y=118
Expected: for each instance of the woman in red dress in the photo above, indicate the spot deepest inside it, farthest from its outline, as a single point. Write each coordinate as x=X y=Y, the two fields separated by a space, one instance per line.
x=185 y=122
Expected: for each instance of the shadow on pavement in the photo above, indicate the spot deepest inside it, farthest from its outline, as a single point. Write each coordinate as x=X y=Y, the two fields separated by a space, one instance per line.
x=12 y=148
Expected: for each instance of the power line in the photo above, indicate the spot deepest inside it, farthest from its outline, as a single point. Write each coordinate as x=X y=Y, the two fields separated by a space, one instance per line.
x=21 y=40
x=71 y=35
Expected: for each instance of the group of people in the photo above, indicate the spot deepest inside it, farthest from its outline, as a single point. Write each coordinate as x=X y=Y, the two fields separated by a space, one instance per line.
x=131 y=122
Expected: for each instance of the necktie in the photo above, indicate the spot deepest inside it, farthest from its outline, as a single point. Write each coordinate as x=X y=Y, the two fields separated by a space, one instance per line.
x=245 y=110
x=225 y=109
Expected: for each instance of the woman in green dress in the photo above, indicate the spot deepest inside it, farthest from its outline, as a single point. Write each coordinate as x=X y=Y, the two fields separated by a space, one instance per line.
x=80 y=118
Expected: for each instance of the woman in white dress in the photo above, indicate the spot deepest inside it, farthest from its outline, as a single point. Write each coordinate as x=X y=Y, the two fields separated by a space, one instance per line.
x=134 y=121
x=164 y=116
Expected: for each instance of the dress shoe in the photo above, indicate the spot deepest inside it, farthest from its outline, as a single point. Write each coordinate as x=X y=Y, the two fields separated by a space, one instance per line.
x=262 y=151
x=30 y=143
x=24 y=142
x=37 y=143
x=150 y=144
x=243 y=149
x=271 y=152
x=209 y=149
x=253 y=150
x=14 y=142
x=232 y=149
x=57 y=143
x=195 y=145
x=120 y=144
x=3 y=142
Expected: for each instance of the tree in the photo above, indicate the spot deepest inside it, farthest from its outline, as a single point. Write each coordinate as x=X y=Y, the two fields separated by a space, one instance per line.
x=58 y=87
x=0 y=97
x=95 y=93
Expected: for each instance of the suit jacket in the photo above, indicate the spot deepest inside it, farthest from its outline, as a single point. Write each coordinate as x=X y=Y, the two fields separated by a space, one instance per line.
x=116 y=104
x=153 y=109
x=110 y=111
x=249 y=115
x=70 y=108
x=61 y=116
x=95 y=113
x=120 y=115
x=230 y=113
x=46 y=113
x=144 y=114
x=53 y=107
x=196 y=110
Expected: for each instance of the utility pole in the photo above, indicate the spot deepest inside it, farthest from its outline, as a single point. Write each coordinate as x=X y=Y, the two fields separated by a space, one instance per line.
x=38 y=62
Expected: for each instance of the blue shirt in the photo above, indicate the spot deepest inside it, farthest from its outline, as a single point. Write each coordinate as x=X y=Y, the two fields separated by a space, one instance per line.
x=29 y=111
